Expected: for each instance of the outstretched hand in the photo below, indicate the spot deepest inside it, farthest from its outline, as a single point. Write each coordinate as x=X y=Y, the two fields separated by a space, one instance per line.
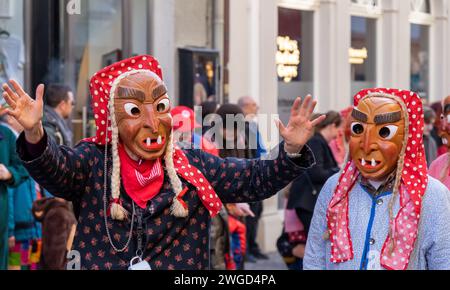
x=25 y=110
x=300 y=128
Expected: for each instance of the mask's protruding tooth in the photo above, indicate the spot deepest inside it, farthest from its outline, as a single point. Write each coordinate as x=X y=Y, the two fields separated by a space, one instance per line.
x=374 y=163
x=363 y=162
x=159 y=141
x=149 y=141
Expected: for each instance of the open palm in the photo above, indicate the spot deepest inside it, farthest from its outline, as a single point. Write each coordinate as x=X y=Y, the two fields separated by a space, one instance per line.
x=24 y=109
x=300 y=127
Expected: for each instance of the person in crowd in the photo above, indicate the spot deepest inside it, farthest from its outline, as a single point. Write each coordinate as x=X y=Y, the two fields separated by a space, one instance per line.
x=208 y=108
x=235 y=144
x=339 y=145
x=437 y=108
x=431 y=149
x=59 y=104
x=250 y=110
x=12 y=174
x=131 y=177
x=184 y=127
x=382 y=211
x=58 y=231
x=24 y=231
x=185 y=130
x=440 y=168
x=304 y=190
x=291 y=243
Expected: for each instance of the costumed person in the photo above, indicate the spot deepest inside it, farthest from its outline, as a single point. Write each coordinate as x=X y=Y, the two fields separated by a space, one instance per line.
x=382 y=211
x=144 y=202
x=24 y=230
x=12 y=174
x=440 y=168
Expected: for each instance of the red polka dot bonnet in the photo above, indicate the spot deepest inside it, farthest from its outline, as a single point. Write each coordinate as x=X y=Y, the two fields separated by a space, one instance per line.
x=103 y=88
x=410 y=185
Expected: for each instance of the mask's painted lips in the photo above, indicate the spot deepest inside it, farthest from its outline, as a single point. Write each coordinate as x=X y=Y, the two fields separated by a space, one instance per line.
x=152 y=144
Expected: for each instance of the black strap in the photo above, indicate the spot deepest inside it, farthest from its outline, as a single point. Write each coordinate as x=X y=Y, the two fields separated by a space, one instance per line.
x=140 y=231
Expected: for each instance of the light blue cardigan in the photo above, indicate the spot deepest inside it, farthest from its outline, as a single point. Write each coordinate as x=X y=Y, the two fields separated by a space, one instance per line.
x=369 y=225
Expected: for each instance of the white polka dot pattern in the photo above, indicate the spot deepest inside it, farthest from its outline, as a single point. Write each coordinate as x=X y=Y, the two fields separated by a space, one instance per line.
x=101 y=84
x=205 y=192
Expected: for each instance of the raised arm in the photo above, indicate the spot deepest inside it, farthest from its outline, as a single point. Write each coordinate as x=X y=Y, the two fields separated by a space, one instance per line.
x=241 y=180
x=60 y=170
x=237 y=180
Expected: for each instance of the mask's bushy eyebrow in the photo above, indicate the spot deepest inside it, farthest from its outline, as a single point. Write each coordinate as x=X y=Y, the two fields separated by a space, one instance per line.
x=360 y=116
x=159 y=91
x=130 y=93
x=388 y=118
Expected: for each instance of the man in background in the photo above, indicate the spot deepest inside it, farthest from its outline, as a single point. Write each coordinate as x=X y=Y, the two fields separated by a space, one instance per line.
x=250 y=109
x=59 y=104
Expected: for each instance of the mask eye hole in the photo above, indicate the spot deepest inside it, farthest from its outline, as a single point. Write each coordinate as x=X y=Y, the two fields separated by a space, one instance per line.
x=132 y=109
x=388 y=132
x=163 y=106
x=357 y=128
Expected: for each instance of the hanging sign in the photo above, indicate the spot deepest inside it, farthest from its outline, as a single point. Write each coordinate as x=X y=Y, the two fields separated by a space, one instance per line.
x=287 y=58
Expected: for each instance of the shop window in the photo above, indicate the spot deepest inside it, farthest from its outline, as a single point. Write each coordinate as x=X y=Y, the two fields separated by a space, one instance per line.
x=420 y=52
x=362 y=54
x=93 y=40
x=295 y=57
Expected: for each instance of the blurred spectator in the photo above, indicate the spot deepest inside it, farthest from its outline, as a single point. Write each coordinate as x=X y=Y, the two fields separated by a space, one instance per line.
x=305 y=189
x=12 y=174
x=208 y=108
x=437 y=108
x=24 y=231
x=184 y=126
x=250 y=109
x=440 y=168
x=59 y=104
x=429 y=142
x=232 y=140
x=339 y=145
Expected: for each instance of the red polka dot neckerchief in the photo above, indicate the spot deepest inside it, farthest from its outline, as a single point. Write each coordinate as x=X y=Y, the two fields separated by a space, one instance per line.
x=195 y=177
x=414 y=180
x=101 y=87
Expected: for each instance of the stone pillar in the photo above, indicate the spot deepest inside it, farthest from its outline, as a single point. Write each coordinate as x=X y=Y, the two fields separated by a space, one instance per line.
x=252 y=67
x=395 y=51
x=439 y=77
x=239 y=62
x=162 y=42
x=332 y=82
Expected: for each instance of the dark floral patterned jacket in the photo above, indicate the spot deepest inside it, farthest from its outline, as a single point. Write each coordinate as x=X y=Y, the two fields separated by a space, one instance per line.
x=169 y=242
